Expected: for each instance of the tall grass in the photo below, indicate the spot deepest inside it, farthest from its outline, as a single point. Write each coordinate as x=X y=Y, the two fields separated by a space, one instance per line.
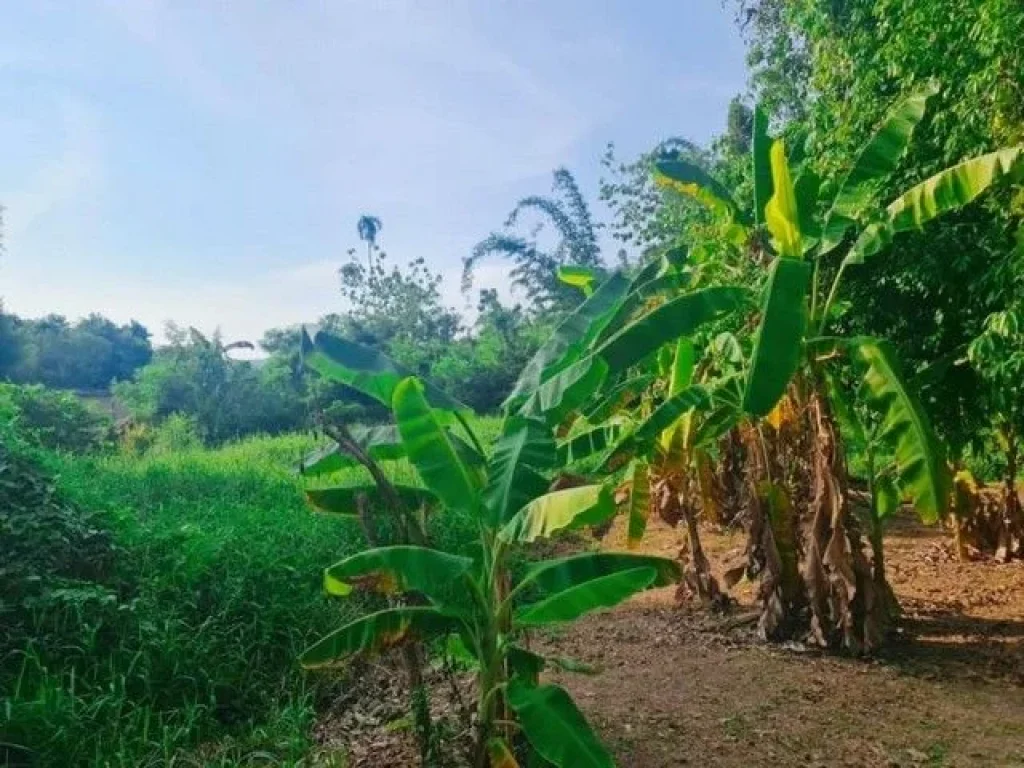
x=185 y=652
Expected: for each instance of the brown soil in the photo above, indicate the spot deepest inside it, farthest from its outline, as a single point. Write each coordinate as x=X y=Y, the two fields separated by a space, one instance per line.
x=680 y=687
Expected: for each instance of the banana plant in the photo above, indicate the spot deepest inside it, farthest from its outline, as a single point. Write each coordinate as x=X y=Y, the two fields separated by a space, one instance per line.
x=866 y=436
x=508 y=492
x=648 y=415
x=997 y=354
x=791 y=350
x=658 y=443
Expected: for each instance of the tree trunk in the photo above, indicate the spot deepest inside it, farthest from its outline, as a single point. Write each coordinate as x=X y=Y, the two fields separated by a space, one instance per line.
x=804 y=543
x=419 y=699
x=699 y=577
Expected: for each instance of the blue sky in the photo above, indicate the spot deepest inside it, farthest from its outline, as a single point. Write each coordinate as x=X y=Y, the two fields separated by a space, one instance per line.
x=206 y=162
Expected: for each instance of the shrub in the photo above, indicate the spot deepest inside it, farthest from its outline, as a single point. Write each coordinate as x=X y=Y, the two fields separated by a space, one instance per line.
x=53 y=419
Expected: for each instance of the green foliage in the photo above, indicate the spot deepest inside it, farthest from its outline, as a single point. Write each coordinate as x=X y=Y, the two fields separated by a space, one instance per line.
x=931 y=294
x=173 y=594
x=778 y=345
x=511 y=505
x=678 y=317
x=54 y=550
x=195 y=377
x=998 y=356
x=55 y=420
x=536 y=266
x=88 y=355
x=520 y=461
x=555 y=727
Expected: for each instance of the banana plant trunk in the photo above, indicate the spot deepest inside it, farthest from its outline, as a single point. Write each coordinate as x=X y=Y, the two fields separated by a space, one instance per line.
x=804 y=543
x=699 y=577
x=412 y=655
x=847 y=608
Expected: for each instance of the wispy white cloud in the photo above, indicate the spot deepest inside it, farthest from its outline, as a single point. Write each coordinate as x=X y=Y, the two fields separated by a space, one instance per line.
x=245 y=141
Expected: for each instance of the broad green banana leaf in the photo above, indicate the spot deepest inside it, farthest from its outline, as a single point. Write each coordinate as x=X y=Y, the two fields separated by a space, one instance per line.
x=382 y=443
x=558 y=510
x=324 y=461
x=525 y=664
x=667 y=414
x=602 y=592
x=341 y=499
x=778 y=345
x=566 y=390
x=586 y=321
x=365 y=369
x=921 y=472
x=397 y=569
x=781 y=213
x=586 y=444
x=880 y=156
x=877 y=160
x=951 y=189
x=679 y=317
x=638 y=506
x=579 y=277
x=616 y=397
x=682 y=367
x=719 y=420
x=521 y=458
x=555 y=728
x=806 y=188
x=693 y=181
x=642 y=439
x=761 y=144
x=946 y=191
x=851 y=429
x=566 y=572
x=430 y=450
x=378 y=632
x=669 y=284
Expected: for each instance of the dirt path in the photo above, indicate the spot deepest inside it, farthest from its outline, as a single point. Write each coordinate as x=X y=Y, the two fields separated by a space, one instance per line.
x=682 y=688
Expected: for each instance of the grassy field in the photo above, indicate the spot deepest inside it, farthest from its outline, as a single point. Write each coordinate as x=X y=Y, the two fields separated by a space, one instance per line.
x=183 y=651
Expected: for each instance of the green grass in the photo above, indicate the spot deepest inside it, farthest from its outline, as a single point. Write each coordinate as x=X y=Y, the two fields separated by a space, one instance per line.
x=185 y=653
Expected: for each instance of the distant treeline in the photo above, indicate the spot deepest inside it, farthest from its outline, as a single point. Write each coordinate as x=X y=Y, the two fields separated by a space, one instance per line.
x=85 y=355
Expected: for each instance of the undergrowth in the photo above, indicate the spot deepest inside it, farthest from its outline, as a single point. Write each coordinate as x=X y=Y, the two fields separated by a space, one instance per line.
x=177 y=644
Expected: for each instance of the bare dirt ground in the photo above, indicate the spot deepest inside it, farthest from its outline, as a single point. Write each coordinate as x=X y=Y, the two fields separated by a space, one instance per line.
x=680 y=687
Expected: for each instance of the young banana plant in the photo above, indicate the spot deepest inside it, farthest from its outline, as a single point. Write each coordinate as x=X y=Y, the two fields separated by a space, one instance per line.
x=507 y=492
x=866 y=436
x=791 y=352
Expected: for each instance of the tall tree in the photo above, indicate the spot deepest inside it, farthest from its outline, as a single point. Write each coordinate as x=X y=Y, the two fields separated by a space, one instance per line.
x=536 y=265
x=368 y=228
x=835 y=67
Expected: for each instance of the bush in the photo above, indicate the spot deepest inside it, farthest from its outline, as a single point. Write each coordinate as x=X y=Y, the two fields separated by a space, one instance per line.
x=53 y=419
x=178 y=644
x=50 y=546
x=177 y=433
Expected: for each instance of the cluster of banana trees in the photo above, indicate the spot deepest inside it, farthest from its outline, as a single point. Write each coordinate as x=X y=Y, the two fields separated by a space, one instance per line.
x=826 y=394
x=802 y=399
x=635 y=404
